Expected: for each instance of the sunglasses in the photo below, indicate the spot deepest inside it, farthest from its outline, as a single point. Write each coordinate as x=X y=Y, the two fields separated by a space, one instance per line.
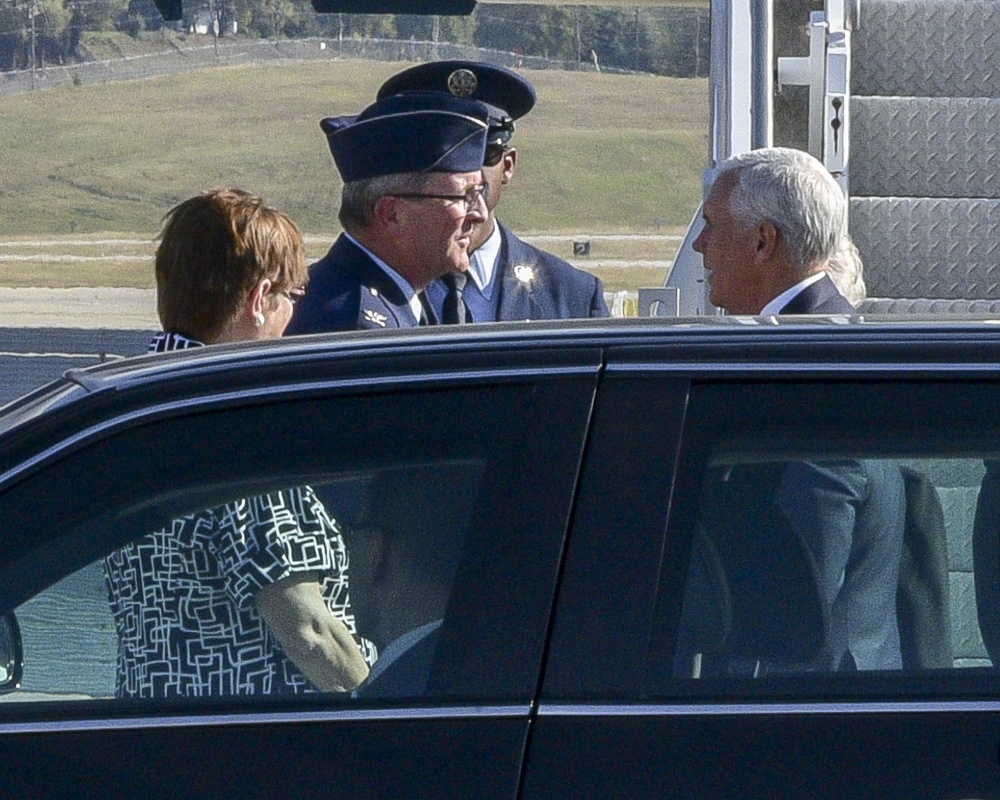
x=494 y=153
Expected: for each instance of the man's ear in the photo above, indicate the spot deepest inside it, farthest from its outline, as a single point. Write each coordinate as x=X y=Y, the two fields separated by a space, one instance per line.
x=509 y=166
x=768 y=239
x=387 y=211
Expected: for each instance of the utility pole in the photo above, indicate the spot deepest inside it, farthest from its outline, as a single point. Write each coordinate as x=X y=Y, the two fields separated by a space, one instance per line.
x=579 y=43
x=636 y=57
x=32 y=13
x=216 y=28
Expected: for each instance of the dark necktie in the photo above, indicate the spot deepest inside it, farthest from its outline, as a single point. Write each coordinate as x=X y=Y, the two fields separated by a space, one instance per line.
x=425 y=318
x=455 y=312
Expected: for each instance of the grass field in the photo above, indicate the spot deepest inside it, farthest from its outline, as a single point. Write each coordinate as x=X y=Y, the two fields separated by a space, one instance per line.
x=600 y=154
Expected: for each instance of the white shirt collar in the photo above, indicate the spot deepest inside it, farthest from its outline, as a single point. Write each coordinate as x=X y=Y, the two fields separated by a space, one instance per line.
x=484 y=261
x=783 y=299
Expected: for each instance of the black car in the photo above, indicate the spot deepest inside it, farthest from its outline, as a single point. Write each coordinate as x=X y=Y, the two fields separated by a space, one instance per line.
x=622 y=618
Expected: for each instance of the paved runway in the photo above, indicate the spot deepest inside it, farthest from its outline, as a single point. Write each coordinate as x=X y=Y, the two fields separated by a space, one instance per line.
x=133 y=309
x=44 y=332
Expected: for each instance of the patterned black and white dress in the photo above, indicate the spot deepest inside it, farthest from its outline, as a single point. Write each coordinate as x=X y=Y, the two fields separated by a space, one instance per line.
x=183 y=597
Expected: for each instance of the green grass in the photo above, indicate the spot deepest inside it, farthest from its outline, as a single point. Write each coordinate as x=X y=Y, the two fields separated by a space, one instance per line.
x=599 y=154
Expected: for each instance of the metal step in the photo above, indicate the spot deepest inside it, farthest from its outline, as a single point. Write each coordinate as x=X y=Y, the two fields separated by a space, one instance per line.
x=927 y=49
x=923 y=305
x=936 y=248
x=925 y=146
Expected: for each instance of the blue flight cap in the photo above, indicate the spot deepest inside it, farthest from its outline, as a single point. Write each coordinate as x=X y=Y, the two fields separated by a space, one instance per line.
x=409 y=132
x=505 y=93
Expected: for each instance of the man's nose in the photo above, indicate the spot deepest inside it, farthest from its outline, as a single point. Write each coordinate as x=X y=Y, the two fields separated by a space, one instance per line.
x=477 y=211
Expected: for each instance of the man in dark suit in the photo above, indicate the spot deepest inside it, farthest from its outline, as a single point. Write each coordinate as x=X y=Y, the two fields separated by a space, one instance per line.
x=773 y=220
x=406 y=546
x=508 y=279
x=413 y=192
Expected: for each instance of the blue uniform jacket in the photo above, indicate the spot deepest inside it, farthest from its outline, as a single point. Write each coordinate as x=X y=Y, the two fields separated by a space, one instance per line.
x=533 y=284
x=349 y=291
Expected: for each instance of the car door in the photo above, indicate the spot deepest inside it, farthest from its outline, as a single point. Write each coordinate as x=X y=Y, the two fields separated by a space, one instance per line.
x=722 y=685
x=473 y=469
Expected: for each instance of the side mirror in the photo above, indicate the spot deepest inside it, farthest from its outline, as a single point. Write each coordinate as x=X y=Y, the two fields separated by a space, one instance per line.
x=11 y=653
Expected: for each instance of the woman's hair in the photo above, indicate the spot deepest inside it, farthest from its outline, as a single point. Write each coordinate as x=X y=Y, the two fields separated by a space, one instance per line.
x=214 y=249
x=847 y=272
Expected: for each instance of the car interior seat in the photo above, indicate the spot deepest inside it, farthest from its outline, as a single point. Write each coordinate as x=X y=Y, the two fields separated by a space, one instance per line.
x=923 y=604
x=778 y=621
x=986 y=559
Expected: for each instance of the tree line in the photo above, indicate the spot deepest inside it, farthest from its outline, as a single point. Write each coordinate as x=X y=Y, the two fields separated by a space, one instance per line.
x=660 y=40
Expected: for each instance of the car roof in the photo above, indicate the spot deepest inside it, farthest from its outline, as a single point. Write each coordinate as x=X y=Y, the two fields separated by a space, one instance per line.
x=880 y=339
x=762 y=348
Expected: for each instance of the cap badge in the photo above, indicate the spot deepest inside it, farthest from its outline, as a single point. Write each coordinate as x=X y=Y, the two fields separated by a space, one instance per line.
x=463 y=83
x=375 y=317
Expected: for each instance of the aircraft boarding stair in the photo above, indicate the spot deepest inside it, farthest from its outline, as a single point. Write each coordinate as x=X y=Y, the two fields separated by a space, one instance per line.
x=924 y=167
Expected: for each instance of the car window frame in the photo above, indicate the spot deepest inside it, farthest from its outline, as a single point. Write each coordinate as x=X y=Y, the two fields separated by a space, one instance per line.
x=561 y=398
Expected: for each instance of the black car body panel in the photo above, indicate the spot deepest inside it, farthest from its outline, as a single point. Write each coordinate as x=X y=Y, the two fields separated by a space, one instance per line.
x=562 y=668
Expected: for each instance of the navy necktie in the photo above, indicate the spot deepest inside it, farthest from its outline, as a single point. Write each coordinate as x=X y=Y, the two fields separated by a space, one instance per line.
x=425 y=318
x=455 y=312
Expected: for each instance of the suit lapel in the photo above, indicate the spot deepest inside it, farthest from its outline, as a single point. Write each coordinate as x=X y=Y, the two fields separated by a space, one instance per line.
x=517 y=280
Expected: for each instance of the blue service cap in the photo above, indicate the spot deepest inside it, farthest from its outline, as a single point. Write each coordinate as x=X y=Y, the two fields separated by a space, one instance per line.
x=409 y=132
x=507 y=95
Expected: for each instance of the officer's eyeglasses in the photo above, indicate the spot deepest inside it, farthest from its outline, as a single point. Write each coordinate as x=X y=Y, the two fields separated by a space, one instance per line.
x=469 y=200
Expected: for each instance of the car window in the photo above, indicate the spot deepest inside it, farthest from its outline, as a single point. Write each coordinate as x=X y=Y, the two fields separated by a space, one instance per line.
x=831 y=538
x=390 y=505
x=124 y=625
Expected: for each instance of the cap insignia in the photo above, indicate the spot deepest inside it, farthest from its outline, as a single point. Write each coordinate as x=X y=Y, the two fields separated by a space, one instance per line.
x=463 y=83
x=375 y=317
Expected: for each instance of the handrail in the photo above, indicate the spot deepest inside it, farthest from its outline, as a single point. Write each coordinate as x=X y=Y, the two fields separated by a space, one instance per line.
x=827 y=73
x=742 y=88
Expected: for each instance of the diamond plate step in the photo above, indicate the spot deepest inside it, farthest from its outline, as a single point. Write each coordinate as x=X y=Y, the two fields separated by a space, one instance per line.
x=920 y=305
x=928 y=247
x=927 y=49
x=925 y=146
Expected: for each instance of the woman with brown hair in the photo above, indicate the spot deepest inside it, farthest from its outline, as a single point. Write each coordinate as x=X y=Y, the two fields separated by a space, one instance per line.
x=258 y=587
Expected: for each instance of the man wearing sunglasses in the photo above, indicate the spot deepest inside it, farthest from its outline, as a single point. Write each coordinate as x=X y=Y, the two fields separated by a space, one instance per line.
x=508 y=279
x=413 y=195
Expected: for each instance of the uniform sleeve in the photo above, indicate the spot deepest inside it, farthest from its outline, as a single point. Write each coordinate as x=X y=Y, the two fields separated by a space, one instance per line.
x=599 y=306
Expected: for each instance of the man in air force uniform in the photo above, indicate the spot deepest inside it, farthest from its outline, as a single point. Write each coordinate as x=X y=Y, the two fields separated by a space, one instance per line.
x=508 y=279
x=412 y=196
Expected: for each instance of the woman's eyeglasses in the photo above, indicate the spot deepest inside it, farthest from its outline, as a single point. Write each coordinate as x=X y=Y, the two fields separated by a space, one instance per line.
x=293 y=295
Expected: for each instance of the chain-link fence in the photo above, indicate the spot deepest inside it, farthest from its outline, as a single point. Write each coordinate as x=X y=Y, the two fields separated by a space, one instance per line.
x=227 y=51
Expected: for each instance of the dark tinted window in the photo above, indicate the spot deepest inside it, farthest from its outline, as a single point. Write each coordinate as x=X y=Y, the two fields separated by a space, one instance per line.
x=825 y=540
x=434 y=496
